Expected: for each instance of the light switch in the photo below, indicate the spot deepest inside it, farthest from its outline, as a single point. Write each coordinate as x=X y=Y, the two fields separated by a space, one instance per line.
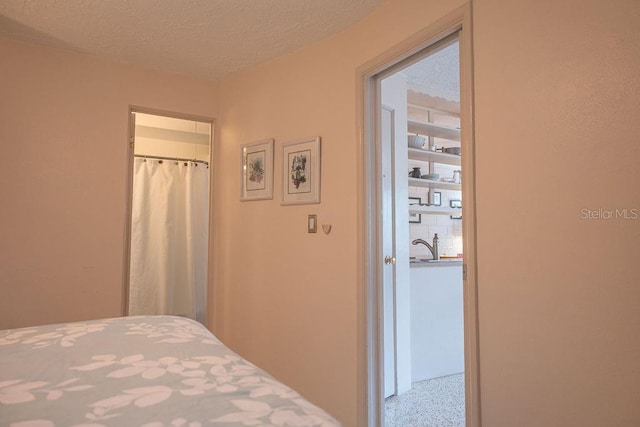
x=312 y=224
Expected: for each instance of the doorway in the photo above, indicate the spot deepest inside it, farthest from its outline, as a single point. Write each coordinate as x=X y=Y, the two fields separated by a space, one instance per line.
x=422 y=294
x=169 y=222
x=433 y=197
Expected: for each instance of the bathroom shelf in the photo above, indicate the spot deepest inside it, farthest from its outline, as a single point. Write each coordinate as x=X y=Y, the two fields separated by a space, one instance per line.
x=437 y=131
x=427 y=183
x=434 y=156
x=439 y=210
x=430 y=160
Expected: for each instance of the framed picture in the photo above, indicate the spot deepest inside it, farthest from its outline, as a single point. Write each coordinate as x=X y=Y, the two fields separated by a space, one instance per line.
x=414 y=218
x=301 y=172
x=437 y=198
x=257 y=171
x=455 y=203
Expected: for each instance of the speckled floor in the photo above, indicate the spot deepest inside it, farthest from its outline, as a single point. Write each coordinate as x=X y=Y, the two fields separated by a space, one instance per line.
x=433 y=403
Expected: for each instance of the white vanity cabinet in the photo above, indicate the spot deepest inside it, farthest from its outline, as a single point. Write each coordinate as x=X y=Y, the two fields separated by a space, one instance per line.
x=437 y=331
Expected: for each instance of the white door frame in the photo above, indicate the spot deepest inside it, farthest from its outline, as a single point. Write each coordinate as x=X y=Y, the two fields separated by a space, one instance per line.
x=370 y=257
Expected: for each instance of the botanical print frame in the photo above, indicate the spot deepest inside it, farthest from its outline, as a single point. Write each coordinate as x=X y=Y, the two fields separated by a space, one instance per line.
x=301 y=172
x=257 y=171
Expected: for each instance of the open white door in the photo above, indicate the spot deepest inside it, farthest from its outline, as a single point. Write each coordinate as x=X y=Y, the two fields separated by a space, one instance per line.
x=388 y=291
x=395 y=237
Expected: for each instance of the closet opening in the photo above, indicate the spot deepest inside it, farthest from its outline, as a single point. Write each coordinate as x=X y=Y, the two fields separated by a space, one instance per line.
x=168 y=231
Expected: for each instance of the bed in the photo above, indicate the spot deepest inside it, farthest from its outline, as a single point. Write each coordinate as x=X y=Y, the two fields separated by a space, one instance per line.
x=147 y=371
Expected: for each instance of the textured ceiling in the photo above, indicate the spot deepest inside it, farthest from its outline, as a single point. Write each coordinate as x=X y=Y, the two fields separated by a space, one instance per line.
x=437 y=75
x=204 y=38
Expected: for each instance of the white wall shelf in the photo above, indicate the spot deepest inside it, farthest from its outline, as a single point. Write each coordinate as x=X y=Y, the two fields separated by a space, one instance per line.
x=438 y=210
x=437 y=131
x=434 y=156
x=427 y=183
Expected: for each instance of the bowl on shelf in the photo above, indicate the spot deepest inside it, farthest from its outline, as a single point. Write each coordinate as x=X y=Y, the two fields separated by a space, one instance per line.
x=431 y=176
x=416 y=141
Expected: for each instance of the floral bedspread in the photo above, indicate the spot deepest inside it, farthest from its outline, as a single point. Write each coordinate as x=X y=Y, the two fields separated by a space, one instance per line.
x=147 y=371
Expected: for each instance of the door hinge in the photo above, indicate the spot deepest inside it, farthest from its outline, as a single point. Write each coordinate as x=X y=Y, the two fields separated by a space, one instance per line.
x=464 y=271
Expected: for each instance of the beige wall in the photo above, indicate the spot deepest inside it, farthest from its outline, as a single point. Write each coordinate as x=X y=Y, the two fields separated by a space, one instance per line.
x=63 y=171
x=556 y=132
x=286 y=299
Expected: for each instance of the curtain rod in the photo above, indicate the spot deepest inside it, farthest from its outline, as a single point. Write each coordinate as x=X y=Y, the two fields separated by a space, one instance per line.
x=178 y=159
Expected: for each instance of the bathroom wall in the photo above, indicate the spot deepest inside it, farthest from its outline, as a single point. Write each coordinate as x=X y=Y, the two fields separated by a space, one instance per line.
x=449 y=230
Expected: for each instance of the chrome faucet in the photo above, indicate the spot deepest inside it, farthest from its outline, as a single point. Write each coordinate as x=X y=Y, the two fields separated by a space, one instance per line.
x=432 y=248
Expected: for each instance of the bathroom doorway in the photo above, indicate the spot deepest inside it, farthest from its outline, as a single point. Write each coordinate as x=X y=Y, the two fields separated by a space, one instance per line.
x=409 y=124
x=169 y=222
x=423 y=314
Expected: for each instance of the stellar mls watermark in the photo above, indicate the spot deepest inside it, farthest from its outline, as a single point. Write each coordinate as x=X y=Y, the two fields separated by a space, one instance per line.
x=609 y=214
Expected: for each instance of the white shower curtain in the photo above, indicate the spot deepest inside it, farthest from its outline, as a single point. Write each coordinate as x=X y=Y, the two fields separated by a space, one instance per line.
x=169 y=233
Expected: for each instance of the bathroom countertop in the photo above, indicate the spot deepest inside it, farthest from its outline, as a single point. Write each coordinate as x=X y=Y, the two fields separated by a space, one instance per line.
x=447 y=262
